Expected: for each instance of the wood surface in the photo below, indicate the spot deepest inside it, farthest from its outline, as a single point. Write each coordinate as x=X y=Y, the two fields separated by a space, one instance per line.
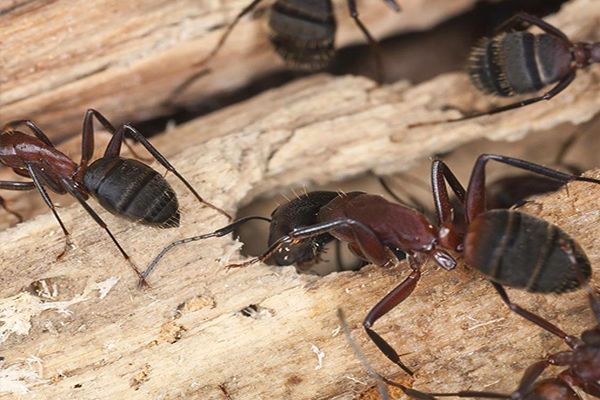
x=185 y=336
x=79 y=328
x=125 y=57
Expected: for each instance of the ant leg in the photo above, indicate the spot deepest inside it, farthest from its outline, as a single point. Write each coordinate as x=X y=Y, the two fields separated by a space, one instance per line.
x=412 y=393
x=560 y=86
x=32 y=126
x=536 y=319
x=218 y=233
x=385 y=305
x=228 y=31
x=87 y=137
x=440 y=174
x=12 y=185
x=475 y=199
x=190 y=80
x=366 y=239
x=165 y=163
x=113 y=149
x=522 y=21
x=36 y=181
x=70 y=187
x=373 y=44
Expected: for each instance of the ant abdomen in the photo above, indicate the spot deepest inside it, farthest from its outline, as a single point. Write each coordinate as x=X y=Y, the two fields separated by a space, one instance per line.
x=518 y=62
x=303 y=32
x=133 y=190
x=299 y=212
x=522 y=251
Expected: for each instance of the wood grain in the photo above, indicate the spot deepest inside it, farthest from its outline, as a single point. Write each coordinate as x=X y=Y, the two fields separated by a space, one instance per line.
x=79 y=328
x=185 y=336
x=61 y=57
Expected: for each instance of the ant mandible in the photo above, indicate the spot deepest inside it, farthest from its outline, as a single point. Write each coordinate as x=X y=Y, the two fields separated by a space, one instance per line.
x=498 y=243
x=125 y=187
x=519 y=62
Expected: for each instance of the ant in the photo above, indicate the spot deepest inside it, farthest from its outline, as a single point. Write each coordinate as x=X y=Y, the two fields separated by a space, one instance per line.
x=298 y=212
x=125 y=187
x=509 y=247
x=515 y=62
x=302 y=32
x=582 y=362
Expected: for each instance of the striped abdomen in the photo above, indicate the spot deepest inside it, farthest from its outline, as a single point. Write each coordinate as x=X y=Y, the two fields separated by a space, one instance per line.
x=518 y=62
x=522 y=251
x=303 y=32
x=133 y=190
x=300 y=212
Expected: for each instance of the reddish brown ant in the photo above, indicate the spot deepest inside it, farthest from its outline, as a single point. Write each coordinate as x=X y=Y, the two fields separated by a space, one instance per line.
x=519 y=62
x=582 y=362
x=125 y=187
x=499 y=243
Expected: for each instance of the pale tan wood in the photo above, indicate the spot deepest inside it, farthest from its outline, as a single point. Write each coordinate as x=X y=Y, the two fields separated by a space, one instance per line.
x=184 y=337
x=61 y=57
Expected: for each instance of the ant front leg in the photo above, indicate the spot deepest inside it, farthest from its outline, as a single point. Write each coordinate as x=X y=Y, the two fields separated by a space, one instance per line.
x=475 y=198
x=522 y=21
x=385 y=305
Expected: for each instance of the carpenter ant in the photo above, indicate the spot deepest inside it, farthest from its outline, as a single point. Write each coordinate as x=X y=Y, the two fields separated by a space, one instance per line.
x=519 y=62
x=500 y=243
x=582 y=362
x=299 y=212
x=508 y=247
x=302 y=32
x=125 y=187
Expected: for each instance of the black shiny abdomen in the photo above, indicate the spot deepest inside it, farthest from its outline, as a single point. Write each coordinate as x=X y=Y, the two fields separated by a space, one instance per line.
x=303 y=32
x=521 y=251
x=518 y=62
x=297 y=213
x=133 y=190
